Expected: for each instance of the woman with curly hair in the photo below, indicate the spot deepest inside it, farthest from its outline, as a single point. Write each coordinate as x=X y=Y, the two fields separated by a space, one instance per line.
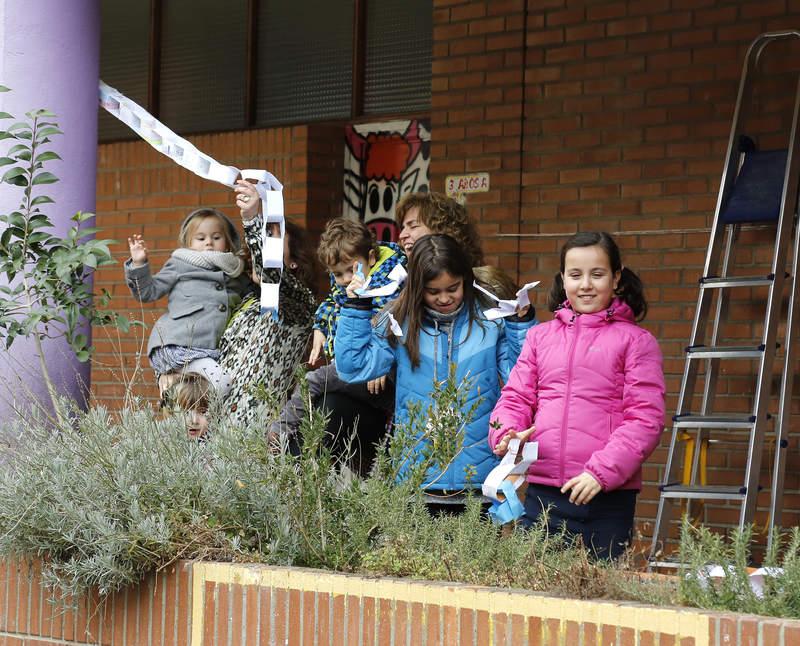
x=420 y=214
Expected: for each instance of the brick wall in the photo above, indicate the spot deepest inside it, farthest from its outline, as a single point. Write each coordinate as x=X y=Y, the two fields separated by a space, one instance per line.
x=219 y=604
x=614 y=115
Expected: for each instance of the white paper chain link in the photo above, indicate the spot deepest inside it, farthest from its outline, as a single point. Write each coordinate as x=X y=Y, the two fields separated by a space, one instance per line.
x=183 y=153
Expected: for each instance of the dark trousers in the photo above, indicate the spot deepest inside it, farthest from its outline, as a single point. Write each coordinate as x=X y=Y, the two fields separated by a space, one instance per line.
x=605 y=524
x=354 y=429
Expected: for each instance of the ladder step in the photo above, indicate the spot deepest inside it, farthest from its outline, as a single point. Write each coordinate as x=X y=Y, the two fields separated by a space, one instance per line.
x=724 y=352
x=715 y=282
x=689 y=420
x=698 y=492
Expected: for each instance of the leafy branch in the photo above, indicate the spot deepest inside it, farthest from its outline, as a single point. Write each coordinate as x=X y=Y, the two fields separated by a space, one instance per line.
x=47 y=291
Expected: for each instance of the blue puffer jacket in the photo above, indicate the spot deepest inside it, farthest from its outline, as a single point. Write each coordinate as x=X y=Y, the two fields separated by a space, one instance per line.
x=485 y=357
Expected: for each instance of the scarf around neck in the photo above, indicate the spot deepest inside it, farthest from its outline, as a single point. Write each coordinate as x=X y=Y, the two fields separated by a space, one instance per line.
x=439 y=317
x=225 y=261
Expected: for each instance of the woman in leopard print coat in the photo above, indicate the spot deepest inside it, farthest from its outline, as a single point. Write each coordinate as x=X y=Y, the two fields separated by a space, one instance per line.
x=257 y=351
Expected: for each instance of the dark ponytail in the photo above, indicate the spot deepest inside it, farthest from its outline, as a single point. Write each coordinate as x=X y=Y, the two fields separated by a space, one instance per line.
x=629 y=289
x=557 y=295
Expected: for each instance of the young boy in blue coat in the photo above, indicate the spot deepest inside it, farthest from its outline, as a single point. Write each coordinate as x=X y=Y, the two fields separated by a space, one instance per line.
x=344 y=246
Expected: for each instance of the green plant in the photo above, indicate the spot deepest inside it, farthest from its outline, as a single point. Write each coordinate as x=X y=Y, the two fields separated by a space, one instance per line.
x=110 y=497
x=424 y=445
x=47 y=287
x=701 y=548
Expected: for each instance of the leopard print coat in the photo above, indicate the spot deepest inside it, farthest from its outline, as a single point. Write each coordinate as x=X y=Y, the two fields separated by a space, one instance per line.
x=258 y=350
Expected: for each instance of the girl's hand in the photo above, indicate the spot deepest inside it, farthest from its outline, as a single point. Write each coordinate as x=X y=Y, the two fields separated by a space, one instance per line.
x=522 y=312
x=138 y=249
x=317 y=345
x=357 y=282
x=246 y=199
x=376 y=386
x=502 y=446
x=584 y=488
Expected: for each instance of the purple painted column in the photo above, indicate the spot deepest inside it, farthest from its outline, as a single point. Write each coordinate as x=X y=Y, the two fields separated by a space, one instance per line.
x=49 y=57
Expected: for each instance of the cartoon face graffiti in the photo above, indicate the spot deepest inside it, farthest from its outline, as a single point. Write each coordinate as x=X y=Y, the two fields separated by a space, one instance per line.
x=384 y=162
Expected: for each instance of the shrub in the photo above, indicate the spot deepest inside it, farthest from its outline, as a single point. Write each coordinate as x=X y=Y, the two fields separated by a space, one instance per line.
x=701 y=548
x=108 y=498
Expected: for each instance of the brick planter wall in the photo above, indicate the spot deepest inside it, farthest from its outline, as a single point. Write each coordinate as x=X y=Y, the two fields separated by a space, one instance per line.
x=217 y=604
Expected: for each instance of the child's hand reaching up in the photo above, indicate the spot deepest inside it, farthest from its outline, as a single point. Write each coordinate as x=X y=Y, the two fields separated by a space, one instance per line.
x=502 y=446
x=138 y=249
x=584 y=488
x=357 y=282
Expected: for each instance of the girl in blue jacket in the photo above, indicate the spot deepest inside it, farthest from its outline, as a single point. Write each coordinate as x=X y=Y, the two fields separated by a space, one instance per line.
x=442 y=330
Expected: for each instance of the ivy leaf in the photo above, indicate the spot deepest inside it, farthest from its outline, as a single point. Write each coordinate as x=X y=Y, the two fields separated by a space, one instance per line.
x=41 y=112
x=39 y=221
x=41 y=199
x=38 y=236
x=47 y=131
x=17 y=148
x=82 y=216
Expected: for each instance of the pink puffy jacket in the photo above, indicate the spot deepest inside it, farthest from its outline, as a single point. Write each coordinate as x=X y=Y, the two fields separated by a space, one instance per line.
x=593 y=385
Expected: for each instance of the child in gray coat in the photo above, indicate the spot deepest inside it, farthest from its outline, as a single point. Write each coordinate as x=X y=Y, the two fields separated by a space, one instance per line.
x=204 y=282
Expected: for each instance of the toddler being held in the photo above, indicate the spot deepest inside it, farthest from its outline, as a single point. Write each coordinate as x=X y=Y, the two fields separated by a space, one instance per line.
x=203 y=281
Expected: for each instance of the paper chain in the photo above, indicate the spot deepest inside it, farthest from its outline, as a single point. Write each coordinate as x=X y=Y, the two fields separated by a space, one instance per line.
x=183 y=153
x=502 y=482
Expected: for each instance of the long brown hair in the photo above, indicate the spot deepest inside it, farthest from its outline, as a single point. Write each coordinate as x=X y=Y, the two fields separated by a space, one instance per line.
x=301 y=253
x=433 y=255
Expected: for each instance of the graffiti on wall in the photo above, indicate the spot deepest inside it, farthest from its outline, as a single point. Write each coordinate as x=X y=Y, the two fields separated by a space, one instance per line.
x=382 y=163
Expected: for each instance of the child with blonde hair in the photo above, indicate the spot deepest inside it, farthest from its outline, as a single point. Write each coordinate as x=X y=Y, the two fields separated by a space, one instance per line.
x=203 y=281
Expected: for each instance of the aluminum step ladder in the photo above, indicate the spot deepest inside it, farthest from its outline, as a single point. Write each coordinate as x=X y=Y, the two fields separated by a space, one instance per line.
x=758 y=188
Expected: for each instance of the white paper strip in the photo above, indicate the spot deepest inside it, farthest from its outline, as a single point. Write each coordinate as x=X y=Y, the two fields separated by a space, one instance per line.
x=396 y=278
x=394 y=326
x=508 y=467
x=183 y=153
x=756 y=577
x=506 y=307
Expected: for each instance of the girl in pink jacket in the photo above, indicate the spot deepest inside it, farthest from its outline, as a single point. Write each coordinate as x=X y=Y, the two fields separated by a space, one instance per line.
x=589 y=388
